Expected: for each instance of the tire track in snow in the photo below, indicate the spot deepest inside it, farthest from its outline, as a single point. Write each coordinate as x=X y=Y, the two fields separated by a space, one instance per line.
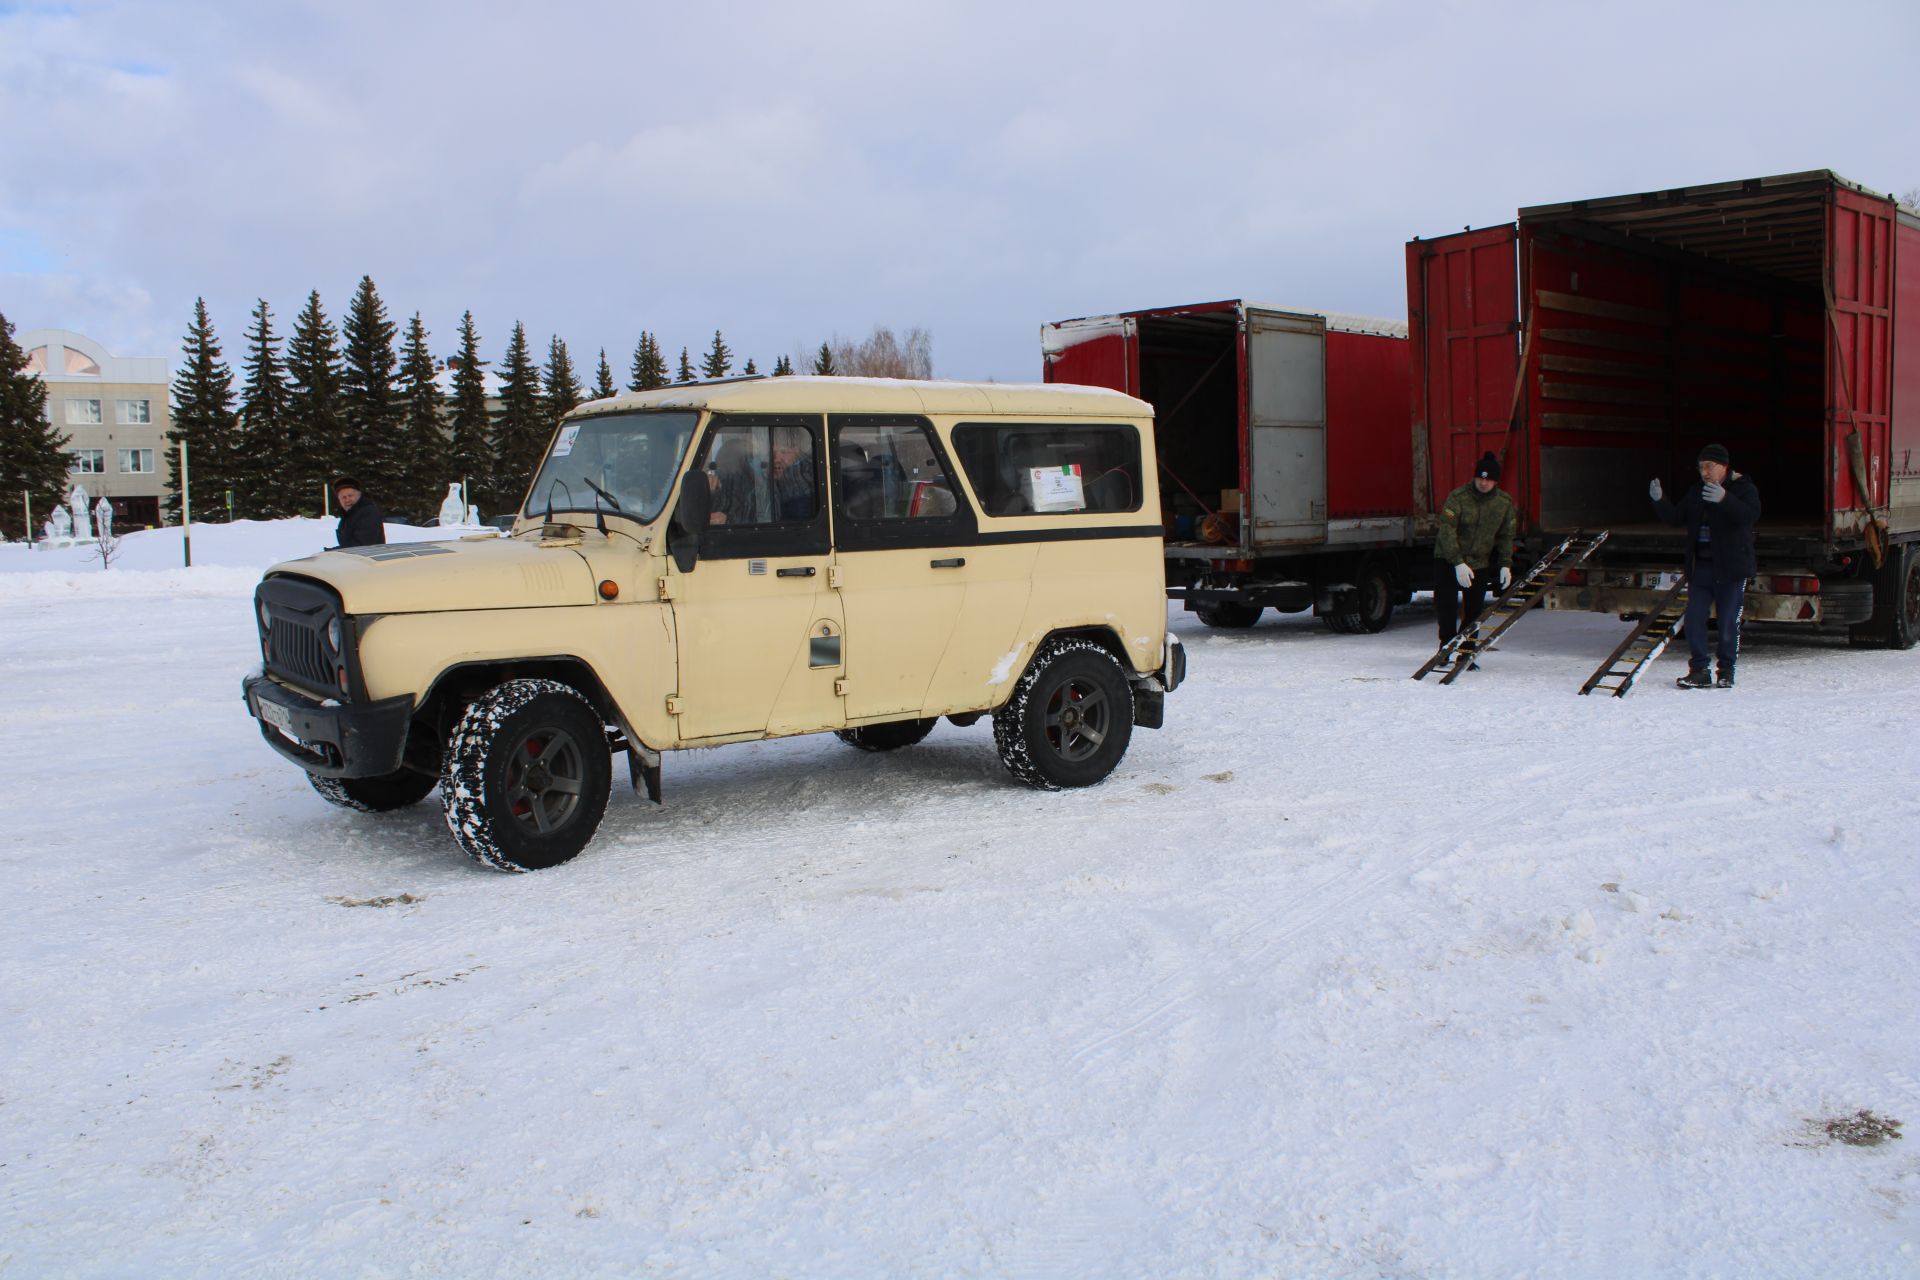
x=1163 y=999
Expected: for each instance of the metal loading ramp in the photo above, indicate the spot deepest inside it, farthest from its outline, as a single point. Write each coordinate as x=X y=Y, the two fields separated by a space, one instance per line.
x=1647 y=642
x=1459 y=653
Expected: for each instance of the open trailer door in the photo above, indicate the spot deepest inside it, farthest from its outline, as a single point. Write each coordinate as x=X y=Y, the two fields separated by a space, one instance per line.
x=1101 y=351
x=1463 y=317
x=1286 y=397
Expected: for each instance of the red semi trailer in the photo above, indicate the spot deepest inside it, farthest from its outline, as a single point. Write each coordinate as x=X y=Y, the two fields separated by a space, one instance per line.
x=1598 y=344
x=1287 y=467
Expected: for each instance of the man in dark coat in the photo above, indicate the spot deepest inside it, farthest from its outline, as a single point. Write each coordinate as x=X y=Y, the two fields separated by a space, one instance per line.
x=1718 y=514
x=1475 y=548
x=360 y=524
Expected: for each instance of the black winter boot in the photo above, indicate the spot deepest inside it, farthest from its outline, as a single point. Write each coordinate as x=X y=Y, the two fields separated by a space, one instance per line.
x=1725 y=678
x=1695 y=680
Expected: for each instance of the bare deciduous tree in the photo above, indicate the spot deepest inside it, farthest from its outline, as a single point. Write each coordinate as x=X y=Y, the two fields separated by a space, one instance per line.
x=881 y=354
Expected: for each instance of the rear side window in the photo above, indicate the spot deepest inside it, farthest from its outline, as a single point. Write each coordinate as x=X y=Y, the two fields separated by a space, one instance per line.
x=1022 y=469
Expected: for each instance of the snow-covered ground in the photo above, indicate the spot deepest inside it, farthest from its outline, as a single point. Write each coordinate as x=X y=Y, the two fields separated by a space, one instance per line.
x=1339 y=975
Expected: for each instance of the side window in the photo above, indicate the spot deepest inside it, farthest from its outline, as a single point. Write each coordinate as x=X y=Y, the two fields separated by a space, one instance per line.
x=764 y=476
x=1021 y=469
x=892 y=484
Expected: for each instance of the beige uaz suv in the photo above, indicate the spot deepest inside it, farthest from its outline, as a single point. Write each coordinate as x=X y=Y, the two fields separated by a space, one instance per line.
x=728 y=561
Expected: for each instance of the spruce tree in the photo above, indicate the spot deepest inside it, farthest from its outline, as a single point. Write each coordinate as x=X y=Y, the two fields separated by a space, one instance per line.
x=260 y=481
x=518 y=433
x=205 y=418
x=637 y=371
x=33 y=456
x=313 y=410
x=603 y=387
x=421 y=485
x=468 y=433
x=719 y=358
x=649 y=365
x=823 y=362
x=749 y=370
x=783 y=368
x=560 y=391
x=686 y=367
x=369 y=414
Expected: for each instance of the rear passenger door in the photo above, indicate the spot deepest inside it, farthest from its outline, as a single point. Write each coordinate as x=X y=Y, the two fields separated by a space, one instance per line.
x=902 y=533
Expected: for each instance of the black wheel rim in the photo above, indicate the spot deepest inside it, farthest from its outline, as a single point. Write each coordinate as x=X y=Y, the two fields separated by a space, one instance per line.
x=1077 y=719
x=545 y=774
x=1912 y=601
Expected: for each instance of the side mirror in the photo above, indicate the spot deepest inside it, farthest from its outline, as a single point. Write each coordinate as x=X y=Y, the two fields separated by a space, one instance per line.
x=689 y=521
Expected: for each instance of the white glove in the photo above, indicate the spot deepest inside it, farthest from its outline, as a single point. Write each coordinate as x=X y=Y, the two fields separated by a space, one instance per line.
x=1713 y=492
x=1653 y=490
x=1463 y=575
x=1506 y=577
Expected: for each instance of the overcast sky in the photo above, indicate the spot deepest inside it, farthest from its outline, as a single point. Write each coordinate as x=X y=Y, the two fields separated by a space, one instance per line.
x=787 y=171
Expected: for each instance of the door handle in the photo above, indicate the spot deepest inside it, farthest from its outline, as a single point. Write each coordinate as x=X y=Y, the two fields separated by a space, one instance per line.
x=957 y=562
x=795 y=571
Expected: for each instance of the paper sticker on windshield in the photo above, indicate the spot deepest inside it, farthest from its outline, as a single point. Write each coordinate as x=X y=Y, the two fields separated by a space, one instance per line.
x=563 y=443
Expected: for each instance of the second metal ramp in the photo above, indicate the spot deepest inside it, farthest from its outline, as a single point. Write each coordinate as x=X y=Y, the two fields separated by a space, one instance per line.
x=1459 y=653
x=1648 y=641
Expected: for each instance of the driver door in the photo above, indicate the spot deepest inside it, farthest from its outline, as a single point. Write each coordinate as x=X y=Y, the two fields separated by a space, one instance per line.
x=757 y=622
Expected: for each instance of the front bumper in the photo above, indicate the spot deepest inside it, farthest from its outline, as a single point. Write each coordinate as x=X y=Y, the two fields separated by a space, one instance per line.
x=328 y=738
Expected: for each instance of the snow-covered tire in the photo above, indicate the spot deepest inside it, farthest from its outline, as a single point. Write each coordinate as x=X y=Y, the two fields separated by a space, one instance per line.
x=375 y=795
x=1069 y=719
x=1228 y=615
x=886 y=737
x=526 y=775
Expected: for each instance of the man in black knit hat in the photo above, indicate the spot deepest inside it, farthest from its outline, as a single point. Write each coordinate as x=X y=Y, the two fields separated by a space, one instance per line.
x=1475 y=548
x=1718 y=513
x=360 y=524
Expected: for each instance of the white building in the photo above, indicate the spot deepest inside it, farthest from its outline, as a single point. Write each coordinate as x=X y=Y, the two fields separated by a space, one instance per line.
x=114 y=409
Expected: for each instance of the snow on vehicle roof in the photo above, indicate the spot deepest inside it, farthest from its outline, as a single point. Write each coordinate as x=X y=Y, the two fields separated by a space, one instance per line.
x=1064 y=334
x=804 y=394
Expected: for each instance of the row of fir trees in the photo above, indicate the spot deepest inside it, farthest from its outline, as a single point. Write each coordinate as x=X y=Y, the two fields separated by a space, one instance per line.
x=347 y=401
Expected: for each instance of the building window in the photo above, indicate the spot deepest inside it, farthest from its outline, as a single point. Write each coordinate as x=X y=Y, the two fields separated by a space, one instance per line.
x=136 y=411
x=36 y=361
x=136 y=461
x=81 y=363
x=83 y=411
x=90 y=462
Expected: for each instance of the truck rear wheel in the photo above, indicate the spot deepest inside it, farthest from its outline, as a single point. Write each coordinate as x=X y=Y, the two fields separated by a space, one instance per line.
x=1228 y=615
x=1373 y=603
x=1896 y=602
x=886 y=737
x=1069 y=719
x=375 y=795
x=526 y=776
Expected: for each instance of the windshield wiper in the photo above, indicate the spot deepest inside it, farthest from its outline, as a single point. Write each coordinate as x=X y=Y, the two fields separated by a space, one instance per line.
x=611 y=500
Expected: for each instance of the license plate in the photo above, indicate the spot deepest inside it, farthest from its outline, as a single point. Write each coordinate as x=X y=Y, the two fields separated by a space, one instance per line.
x=276 y=715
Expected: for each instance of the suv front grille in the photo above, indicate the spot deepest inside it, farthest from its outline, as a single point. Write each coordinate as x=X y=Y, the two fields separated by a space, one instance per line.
x=299 y=654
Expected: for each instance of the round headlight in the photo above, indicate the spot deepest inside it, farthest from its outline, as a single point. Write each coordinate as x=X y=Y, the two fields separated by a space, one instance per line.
x=333 y=633
x=266 y=623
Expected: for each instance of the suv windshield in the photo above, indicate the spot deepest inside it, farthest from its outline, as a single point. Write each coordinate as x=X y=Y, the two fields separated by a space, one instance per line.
x=632 y=457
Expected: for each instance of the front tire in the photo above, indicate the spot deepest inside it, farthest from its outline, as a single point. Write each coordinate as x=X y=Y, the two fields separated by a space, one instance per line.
x=375 y=795
x=1069 y=719
x=526 y=776
x=1373 y=605
x=886 y=737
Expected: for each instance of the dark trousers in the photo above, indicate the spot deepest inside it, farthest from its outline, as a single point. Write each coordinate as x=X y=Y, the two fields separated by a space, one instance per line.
x=1704 y=592
x=1459 y=608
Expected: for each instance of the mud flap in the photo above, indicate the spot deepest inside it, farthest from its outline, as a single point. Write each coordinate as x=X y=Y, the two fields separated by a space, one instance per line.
x=643 y=769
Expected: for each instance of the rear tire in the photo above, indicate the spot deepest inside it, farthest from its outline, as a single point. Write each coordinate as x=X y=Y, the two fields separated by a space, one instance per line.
x=1896 y=603
x=1373 y=603
x=886 y=737
x=1229 y=615
x=526 y=776
x=1069 y=719
x=375 y=795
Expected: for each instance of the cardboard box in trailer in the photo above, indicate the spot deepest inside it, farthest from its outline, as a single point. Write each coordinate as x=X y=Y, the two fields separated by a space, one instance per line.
x=1598 y=344
x=1286 y=460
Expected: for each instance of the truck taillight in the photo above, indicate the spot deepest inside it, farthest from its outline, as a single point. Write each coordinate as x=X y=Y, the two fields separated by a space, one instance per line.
x=1789 y=585
x=1575 y=578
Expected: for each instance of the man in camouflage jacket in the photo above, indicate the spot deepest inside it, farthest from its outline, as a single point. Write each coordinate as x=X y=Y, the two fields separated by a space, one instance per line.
x=1475 y=550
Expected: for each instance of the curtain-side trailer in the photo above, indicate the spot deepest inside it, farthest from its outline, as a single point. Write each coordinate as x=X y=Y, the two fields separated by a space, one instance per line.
x=1599 y=344
x=1287 y=466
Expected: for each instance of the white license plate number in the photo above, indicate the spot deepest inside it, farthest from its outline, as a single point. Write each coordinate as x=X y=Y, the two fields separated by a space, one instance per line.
x=276 y=715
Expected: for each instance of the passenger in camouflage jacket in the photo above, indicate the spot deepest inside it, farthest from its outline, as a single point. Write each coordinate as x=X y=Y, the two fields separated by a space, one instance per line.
x=1475 y=549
